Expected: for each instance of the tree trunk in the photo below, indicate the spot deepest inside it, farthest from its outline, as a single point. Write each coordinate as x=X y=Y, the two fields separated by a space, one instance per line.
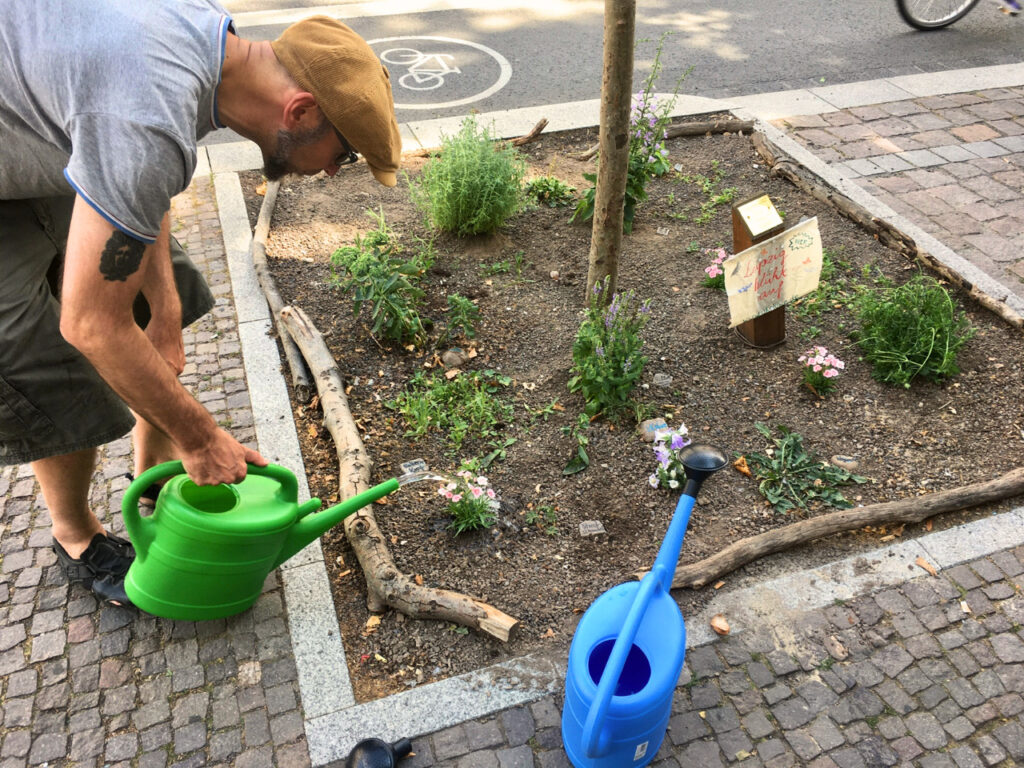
x=616 y=91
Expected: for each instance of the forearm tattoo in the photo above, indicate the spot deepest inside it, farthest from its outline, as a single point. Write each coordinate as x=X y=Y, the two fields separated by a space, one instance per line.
x=121 y=256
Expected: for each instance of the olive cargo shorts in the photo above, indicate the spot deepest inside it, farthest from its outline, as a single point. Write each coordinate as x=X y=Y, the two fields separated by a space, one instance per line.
x=52 y=401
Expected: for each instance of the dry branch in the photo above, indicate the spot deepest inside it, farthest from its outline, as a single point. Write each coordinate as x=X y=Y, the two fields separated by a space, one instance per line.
x=387 y=586
x=533 y=135
x=258 y=253
x=699 y=128
x=882 y=230
x=902 y=511
x=526 y=138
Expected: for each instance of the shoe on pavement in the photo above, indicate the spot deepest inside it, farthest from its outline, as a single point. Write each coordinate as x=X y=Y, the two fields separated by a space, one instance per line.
x=101 y=568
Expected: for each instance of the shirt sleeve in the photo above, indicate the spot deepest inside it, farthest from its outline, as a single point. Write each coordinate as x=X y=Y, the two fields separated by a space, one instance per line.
x=128 y=171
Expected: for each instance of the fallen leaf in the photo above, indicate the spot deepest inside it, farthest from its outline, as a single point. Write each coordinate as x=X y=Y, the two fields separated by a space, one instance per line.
x=928 y=525
x=261 y=188
x=926 y=565
x=549 y=634
x=372 y=624
x=719 y=624
x=418 y=579
x=451 y=373
x=741 y=466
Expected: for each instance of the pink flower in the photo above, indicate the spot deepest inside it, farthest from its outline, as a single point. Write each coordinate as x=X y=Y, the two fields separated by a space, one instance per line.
x=444 y=491
x=817 y=368
x=477 y=492
x=482 y=481
x=490 y=493
x=830 y=373
x=455 y=498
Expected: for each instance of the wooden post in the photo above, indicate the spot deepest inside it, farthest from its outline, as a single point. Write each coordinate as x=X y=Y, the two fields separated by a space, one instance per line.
x=767 y=330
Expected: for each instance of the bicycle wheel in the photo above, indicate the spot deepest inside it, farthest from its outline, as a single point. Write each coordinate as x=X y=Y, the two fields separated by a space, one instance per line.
x=933 y=14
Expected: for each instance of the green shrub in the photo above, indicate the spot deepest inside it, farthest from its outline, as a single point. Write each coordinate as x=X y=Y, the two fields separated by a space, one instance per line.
x=379 y=277
x=911 y=330
x=473 y=186
x=549 y=191
x=606 y=354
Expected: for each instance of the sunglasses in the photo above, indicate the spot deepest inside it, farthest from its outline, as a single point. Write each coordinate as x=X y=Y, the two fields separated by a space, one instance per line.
x=349 y=155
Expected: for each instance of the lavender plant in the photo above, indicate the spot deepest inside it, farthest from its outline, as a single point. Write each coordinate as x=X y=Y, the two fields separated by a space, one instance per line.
x=607 y=359
x=648 y=158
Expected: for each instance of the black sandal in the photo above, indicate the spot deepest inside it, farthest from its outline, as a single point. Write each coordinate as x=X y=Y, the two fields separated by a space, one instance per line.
x=148 y=497
x=101 y=568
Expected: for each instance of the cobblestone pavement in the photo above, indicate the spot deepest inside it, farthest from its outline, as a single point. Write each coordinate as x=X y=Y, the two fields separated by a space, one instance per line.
x=928 y=674
x=89 y=686
x=952 y=164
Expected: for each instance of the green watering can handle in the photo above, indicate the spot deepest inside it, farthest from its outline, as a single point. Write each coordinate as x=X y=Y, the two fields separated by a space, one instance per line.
x=139 y=529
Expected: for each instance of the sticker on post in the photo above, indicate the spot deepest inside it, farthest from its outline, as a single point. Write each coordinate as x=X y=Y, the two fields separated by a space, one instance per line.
x=641 y=750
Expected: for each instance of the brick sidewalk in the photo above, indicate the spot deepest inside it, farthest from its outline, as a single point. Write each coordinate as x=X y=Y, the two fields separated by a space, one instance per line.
x=89 y=686
x=954 y=165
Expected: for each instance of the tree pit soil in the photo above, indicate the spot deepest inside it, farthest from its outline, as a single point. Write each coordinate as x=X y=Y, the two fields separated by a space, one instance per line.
x=545 y=573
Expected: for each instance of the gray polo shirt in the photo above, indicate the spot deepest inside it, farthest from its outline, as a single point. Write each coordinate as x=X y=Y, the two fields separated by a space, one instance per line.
x=107 y=99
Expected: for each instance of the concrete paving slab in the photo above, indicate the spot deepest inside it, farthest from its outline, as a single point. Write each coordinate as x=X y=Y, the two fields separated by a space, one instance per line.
x=860 y=94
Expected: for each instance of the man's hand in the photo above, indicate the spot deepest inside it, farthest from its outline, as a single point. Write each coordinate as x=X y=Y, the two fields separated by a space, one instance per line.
x=223 y=460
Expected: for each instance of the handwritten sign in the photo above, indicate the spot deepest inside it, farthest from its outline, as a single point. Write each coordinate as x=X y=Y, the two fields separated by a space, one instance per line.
x=767 y=275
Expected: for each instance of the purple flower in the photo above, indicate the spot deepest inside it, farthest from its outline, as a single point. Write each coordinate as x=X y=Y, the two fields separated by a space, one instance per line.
x=662 y=455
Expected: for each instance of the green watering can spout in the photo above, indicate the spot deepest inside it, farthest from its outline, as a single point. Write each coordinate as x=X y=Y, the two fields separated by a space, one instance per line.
x=312 y=527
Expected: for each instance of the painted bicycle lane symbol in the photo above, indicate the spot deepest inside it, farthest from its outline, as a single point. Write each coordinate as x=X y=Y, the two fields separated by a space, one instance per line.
x=450 y=68
x=426 y=71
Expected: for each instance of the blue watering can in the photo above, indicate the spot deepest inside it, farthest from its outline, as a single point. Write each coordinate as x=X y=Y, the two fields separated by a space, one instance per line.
x=627 y=652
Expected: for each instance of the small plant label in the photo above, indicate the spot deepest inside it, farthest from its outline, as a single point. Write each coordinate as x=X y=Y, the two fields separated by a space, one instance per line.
x=414 y=466
x=650 y=428
x=772 y=272
x=591 y=528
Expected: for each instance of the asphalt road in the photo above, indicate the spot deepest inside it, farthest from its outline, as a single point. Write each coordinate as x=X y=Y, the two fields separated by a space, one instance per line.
x=447 y=57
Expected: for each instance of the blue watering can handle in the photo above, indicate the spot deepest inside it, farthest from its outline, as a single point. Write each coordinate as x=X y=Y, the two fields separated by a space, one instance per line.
x=616 y=661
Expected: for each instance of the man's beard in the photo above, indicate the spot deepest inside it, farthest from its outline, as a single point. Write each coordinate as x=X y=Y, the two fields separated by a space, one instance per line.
x=278 y=165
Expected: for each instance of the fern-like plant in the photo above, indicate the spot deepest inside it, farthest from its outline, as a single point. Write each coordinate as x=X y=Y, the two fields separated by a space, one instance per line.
x=473 y=186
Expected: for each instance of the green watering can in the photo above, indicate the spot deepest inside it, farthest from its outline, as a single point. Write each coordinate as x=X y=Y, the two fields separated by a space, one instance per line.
x=206 y=550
